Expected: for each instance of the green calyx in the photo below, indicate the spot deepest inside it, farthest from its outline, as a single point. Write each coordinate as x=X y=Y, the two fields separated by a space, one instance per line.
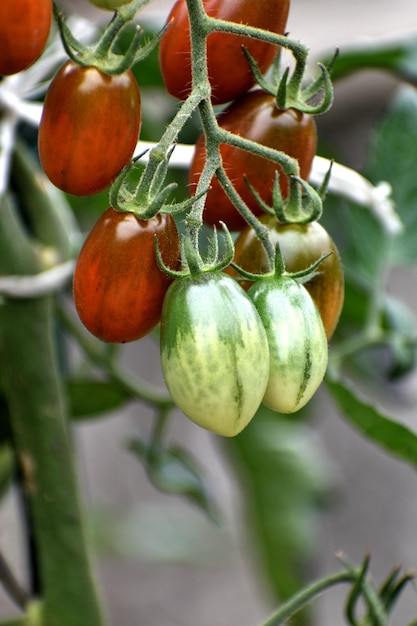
x=279 y=271
x=304 y=204
x=151 y=195
x=290 y=91
x=192 y=262
x=102 y=55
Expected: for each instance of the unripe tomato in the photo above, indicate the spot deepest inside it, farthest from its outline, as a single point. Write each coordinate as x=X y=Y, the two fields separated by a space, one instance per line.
x=89 y=128
x=228 y=69
x=214 y=352
x=118 y=286
x=24 y=30
x=110 y=5
x=301 y=245
x=297 y=342
x=255 y=116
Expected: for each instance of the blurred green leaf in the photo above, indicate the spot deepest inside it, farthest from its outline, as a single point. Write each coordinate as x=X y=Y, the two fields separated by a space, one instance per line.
x=87 y=209
x=284 y=479
x=392 y=158
x=147 y=72
x=398 y=56
x=401 y=325
x=173 y=471
x=7 y=467
x=366 y=250
x=360 y=239
x=91 y=398
x=390 y=435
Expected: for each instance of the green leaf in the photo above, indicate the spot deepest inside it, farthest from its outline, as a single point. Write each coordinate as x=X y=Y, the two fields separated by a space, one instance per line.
x=401 y=325
x=360 y=238
x=284 y=481
x=392 y=155
x=91 y=398
x=396 y=56
x=392 y=436
x=366 y=251
x=7 y=467
x=173 y=471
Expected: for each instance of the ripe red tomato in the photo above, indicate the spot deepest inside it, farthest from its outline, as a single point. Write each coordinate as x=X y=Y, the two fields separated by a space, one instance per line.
x=255 y=116
x=118 y=286
x=301 y=245
x=24 y=30
x=89 y=128
x=228 y=69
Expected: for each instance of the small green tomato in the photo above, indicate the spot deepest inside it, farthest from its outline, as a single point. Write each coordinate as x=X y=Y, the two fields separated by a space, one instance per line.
x=110 y=5
x=297 y=342
x=214 y=352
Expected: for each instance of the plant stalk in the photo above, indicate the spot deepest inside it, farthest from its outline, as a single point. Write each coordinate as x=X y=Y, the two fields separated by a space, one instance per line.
x=38 y=421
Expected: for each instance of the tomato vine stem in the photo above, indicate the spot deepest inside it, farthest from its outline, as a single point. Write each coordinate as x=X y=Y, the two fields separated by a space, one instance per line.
x=306 y=595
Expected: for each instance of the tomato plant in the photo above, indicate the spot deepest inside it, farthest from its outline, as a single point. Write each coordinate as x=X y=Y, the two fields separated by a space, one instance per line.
x=24 y=30
x=89 y=127
x=254 y=116
x=223 y=354
x=297 y=342
x=301 y=245
x=118 y=286
x=214 y=352
x=228 y=69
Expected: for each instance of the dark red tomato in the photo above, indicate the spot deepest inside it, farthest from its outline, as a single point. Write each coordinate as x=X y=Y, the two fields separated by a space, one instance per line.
x=118 y=286
x=24 y=30
x=255 y=116
x=89 y=128
x=228 y=69
x=301 y=245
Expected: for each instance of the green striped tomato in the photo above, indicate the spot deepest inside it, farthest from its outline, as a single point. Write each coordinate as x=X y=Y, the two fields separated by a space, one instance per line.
x=297 y=342
x=301 y=245
x=214 y=352
x=109 y=5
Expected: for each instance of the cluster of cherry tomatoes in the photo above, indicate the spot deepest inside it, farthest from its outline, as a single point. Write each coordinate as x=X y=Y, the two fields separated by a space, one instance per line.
x=225 y=347
x=211 y=338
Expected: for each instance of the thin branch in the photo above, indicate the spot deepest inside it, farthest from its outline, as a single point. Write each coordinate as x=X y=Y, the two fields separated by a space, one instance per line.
x=13 y=588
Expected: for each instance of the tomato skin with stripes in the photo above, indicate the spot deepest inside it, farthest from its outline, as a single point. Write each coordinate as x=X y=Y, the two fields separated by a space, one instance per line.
x=214 y=352
x=297 y=342
x=301 y=245
x=229 y=72
x=89 y=128
x=118 y=286
x=254 y=116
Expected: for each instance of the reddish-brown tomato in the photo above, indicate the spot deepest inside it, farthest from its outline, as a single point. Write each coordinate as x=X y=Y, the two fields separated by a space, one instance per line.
x=24 y=30
x=228 y=69
x=255 y=116
x=118 y=286
x=89 y=128
x=301 y=245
